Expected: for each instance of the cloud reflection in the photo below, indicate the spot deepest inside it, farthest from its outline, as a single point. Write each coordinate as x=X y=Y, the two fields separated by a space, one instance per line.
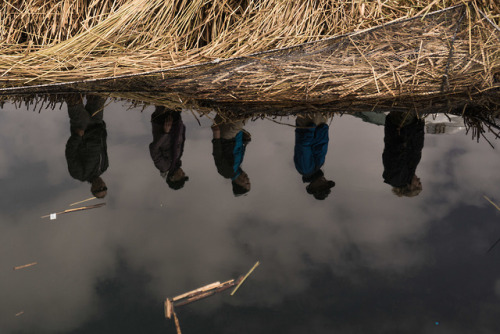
x=360 y=240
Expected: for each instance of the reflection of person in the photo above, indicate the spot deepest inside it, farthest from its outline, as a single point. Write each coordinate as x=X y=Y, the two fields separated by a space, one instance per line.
x=404 y=140
x=169 y=134
x=311 y=146
x=229 y=143
x=86 y=150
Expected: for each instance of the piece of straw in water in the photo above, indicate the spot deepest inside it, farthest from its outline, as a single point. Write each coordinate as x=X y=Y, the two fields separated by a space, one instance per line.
x=489 y=200
x=496 y=206
x=19 y=313
x=199 y=296
x=203 y=288
x=25 y=265
x=207 y=293
x=245 y=277
x=85 y=200
x=493 y=246
x=177 y=325
x=168 y=308
x=95 y=206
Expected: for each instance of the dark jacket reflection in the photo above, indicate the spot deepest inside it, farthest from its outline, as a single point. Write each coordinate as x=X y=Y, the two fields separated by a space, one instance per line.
x=169 y=135
x=86 y=149
x=404 y=141
x=229 y=143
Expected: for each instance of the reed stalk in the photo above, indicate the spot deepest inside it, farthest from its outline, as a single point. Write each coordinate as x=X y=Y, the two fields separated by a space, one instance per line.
x=53 y=41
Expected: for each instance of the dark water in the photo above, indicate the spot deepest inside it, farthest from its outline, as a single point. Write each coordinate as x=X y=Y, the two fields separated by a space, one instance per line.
x=361 y=261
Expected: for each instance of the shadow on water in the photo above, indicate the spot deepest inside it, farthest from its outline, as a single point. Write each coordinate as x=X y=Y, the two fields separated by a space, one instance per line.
x=366 y=217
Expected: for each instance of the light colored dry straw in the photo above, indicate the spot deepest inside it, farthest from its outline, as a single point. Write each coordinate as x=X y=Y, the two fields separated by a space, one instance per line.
x=57 y=41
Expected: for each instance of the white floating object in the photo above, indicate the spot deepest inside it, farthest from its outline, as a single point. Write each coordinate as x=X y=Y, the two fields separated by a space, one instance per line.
x=53 y=216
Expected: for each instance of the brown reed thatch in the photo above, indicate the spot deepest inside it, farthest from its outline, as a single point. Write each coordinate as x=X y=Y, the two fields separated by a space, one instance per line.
x=453 y=53
x=56 y=41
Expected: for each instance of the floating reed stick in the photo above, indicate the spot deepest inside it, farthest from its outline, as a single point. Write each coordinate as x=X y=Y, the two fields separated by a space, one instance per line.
x=204 y=294
x=85 y=200
x=496 y=206
x=177 y=325
x=26 y=265
x=245 y=277
x=207 y=287
x=197 y=294
x=168 y=307
x=95 y=206
x=19 y=313
x=489 y=200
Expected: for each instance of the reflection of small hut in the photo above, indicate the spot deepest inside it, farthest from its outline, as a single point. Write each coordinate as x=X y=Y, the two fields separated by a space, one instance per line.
x=434 y=124
x=444 y=124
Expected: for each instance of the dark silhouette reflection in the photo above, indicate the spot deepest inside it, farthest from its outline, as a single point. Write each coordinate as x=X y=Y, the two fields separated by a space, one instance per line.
x=169 y=135
x=311 y=146
x=86 y=150
x=229 y=144
x=404 y=140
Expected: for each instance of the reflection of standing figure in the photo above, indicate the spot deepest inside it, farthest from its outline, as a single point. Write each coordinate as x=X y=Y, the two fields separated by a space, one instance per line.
x=169 y=134
x=86 y=150
x=311 y=146
x=404 y=140
x=229 y=143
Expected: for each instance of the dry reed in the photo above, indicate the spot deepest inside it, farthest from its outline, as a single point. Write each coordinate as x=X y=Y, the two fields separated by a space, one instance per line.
x=451 y=52
x=58 y=41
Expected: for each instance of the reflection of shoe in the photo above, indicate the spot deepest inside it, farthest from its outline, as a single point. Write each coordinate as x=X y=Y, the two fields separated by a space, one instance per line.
x=320 y=189
x=246 y=136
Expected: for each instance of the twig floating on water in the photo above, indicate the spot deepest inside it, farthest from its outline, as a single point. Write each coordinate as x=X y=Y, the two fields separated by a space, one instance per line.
x=168 y=308
x=244 y=278
x=197 y=294
x=204 y=294
x=19 y=313
x=493 y=246
x=85 y=200
x=26 y=265
x=489 y=200
x=210 y=286
x=177 y=325
x=53 y=215
x=496 y=206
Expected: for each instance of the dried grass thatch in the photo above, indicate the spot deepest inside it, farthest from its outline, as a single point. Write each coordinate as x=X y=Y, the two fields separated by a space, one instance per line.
x=57 y=41
x=453 y=53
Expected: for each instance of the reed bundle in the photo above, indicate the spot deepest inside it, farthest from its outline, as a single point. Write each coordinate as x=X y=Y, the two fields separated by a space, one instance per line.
x=449 y=52
x=57 y=41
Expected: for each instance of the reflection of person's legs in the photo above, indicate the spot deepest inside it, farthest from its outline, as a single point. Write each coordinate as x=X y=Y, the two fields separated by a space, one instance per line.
x=229 y=130
x=78 y=116
x=401 y=119
x=158 y=116
x=309 y=120
x=95 y=108
x=157 y=122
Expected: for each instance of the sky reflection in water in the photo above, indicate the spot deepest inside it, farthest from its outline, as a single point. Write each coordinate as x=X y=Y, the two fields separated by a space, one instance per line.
x=363 y=260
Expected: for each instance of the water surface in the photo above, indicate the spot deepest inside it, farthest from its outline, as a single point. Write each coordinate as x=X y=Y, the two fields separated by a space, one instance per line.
x=361 y=261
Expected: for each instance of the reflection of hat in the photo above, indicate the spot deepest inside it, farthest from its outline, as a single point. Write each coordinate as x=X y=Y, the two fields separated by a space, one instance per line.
x=178 y=184
x=321 y=191
x=239 y=190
